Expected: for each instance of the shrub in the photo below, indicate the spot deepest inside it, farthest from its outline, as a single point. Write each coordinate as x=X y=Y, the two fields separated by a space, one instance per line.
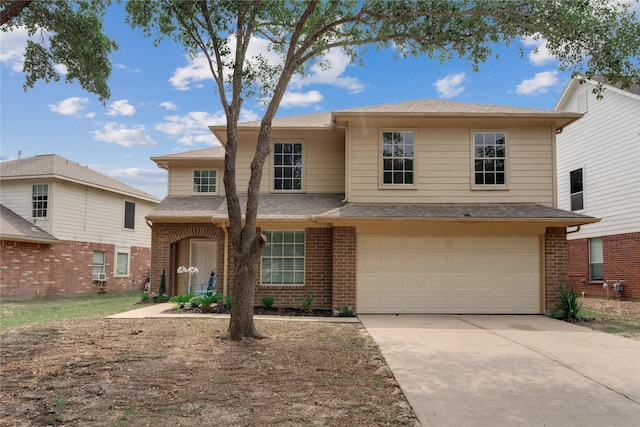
x=268 y=301
x=227 y=301
x=570 y=303
x=307 y=302
x=182 y=298
x=344 y=312
x=163 y=284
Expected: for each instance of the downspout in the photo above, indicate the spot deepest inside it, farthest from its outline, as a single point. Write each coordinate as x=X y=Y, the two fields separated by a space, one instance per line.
x=577 y=230
x=347 y=163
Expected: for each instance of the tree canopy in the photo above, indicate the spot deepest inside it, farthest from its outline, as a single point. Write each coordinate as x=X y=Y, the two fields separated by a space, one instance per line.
x=66 y=33
x=596 y=37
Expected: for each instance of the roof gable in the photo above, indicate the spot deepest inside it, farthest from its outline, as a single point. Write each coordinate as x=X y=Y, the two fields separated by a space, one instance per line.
x=578 y=81
x=55 y=166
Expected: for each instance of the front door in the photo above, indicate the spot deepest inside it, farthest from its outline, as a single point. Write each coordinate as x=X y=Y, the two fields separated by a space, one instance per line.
x=204 y=255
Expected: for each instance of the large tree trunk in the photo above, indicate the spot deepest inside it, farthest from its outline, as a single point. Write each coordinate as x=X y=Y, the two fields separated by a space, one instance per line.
x=13 y=9
x=247 y=242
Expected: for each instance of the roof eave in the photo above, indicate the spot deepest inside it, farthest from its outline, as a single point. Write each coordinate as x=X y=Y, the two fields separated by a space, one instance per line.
x=551 y=222
x=27 y=239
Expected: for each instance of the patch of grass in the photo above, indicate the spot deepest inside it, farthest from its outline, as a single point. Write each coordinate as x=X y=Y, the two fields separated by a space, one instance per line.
x=53 y=309
x=619 y=324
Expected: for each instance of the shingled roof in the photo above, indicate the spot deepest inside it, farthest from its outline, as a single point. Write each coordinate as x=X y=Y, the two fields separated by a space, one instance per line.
x=55 y=166
x=330 y=207
x=14 y=227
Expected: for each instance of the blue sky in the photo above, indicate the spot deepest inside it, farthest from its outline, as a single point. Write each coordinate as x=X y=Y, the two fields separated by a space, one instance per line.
x=161 y=102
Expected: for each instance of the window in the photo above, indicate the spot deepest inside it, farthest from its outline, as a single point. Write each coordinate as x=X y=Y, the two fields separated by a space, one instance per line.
x=129 y=215
x=397 y=157
x=287 y=166
x=596 y=264
x=577 y=193
x=283 y=258
x=204 y=181
x=98 y=262
x=40 y=200
x=122 y=263
x=490 y=156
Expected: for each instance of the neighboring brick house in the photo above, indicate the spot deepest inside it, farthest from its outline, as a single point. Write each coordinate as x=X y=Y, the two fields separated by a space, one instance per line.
x=599 y=175
x=66 y=229
x=415 y=207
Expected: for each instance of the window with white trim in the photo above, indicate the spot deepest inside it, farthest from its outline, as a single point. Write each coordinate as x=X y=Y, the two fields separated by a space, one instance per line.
x=490 y=158
x=99 y=258
x=287 y=166
x=283 y=258
x=40 y=200
x=596 y=259
x=205 y=181
x=397 y=157
x=122 y=263
x=576 y=189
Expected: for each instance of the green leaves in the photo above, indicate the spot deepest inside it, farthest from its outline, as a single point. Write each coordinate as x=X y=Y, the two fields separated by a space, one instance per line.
x=69 y=33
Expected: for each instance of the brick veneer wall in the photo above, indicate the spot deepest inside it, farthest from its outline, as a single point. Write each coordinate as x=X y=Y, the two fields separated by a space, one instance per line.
x=28 y=270
x=344 y=267
x=555 y=265
x=621 y=259
x=164 y=239
x=318 y=275
x=325 y=255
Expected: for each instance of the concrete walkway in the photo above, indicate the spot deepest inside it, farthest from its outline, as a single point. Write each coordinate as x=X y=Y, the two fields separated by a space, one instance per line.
x=510 y=370
x=160 y=311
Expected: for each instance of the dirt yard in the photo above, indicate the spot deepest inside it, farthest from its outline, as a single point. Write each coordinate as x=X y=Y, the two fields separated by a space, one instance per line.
x=175 y=372
x=620 y=317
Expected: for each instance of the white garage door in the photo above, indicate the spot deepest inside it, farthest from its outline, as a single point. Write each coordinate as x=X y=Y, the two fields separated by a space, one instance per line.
x=405 y=274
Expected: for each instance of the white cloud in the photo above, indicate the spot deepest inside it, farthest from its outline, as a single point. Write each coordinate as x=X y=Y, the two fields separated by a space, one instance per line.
x=539 y=84
x=197 y=70
x=300 y=99
x=451 y=85
x=122 y=135
x=70 y=106
x=192 y=128
x=121 y=108
x=539 y=54
x=12 y=48
x=168 y=105
x=339 y=61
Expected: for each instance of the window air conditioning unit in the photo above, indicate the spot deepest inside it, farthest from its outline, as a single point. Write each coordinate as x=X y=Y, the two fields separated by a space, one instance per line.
x=99 y=277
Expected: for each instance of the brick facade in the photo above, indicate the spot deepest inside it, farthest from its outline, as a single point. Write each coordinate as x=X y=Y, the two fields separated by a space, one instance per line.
x=621 y=261
x=555 y=265
x=28 y=270
x=325 y=252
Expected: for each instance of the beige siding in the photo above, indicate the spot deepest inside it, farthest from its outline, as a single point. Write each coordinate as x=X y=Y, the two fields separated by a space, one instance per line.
x=181 y=174
x=323 y=156
x=606 y=144
x=443 y=163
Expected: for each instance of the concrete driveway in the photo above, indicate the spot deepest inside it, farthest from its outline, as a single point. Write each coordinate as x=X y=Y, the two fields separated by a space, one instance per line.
x=510 y=370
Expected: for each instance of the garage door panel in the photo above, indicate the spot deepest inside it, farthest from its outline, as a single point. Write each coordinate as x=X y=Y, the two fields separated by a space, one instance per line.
x=448 y=274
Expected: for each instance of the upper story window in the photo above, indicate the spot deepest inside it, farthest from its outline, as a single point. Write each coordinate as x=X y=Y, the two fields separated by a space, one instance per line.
x=397 y=157
x=576 y=189
x=205 y=181
x=129 y=215
x=490 y=158
x=40 y=201
x=287 y=166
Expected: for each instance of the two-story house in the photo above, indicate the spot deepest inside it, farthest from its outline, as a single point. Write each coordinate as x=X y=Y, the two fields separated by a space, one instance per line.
x=66 y=229
x=416 y=207
x=599 y=175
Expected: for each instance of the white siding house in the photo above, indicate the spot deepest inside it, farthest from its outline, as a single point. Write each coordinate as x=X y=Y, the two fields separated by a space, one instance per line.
x=598 y=164
x=99 y=224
